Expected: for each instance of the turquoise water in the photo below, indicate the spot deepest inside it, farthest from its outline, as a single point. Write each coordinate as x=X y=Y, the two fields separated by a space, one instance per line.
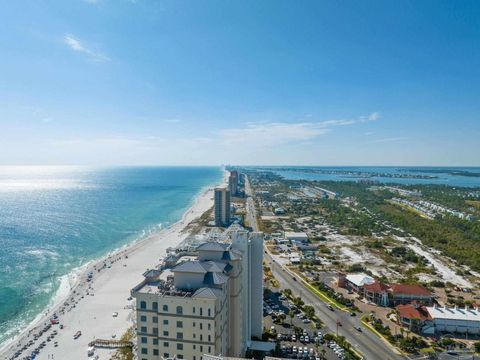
x=382 y=174
x=54 y=219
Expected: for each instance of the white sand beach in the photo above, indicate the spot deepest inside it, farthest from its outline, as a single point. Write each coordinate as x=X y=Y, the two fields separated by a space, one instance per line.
x=109 y=291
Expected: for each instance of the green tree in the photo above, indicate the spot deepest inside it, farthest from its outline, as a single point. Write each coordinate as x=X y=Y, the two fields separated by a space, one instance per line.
x=309 y=311
x=291 y=313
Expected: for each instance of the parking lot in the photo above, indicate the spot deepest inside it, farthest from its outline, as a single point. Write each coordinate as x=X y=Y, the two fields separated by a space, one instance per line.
x=297 y=336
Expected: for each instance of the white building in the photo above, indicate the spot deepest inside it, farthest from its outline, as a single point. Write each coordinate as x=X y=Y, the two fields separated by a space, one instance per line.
x=453 y=320
x=356 y=281
x=210 y=305
x=296 y=236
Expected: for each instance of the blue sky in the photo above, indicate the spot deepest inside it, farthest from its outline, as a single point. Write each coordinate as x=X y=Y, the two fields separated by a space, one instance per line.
x=119 y=82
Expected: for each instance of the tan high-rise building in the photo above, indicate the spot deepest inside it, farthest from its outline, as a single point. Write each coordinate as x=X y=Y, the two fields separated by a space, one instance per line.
x=210 y=305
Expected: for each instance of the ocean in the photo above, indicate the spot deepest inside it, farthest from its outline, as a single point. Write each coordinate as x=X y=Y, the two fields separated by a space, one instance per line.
x=451 y=176
x=56 y=219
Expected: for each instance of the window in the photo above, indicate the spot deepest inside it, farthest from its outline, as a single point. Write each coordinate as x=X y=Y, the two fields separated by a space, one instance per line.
x=166 y=344
x=155 y=319
x=165 y=307
x=179 y=310
x=179 y=356
x=143 y=318
x=201 y=326
x=155 y=305
x=144 y=340
x=209 y=338
x=194 y=335
x=194 y=324
x=165 y=322
x=179 y=346
x=155 y=341
x=166 y=355
x=193 y=310
x=179 y=335
x=143 y=305
x=155 y=352
x=179 y=324
x=143 y=329
x=201 y=337
x=209 y=312
x=165 y=333
x=209 y=349
x=155 y=331
x=194 y=347
x=201 y=312
x=209 y=326
x=194 y=357
x=144 y=351
x=201 y=348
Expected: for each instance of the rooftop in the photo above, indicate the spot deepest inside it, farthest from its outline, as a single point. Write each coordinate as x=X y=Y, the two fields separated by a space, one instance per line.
x=410 y=311
x=376 y=287
x=406 y=289
x=454 y=313
x=214 y=246
x=360 y=279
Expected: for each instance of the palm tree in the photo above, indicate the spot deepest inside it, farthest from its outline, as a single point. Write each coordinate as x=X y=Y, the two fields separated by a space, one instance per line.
x=291 y=314
x=324 y=353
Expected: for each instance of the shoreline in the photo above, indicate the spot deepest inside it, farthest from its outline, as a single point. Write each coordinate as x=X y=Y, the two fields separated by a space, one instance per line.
x=100 y=267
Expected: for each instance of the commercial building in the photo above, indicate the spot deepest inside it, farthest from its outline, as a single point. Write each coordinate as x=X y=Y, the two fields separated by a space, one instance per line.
x=209 y=305
x=383 y=294
x=438 y=320
x=454 y=320
x=354 y=282
x=377 y=293
x=413 y=316
x=296 y=236
x=222 y=206
x=405 y=293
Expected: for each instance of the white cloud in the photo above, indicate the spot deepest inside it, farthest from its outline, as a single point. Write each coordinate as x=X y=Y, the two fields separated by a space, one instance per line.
x=258 y=142
x=391 y=139
x=77 y=45
x=275 y=133
x=269 y=134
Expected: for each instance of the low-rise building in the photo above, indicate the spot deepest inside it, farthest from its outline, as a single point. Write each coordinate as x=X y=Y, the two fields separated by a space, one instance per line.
x=406 y=293
x=356 y=282
x=455 y=320
x=413 y=316
x=296 y=236
x=377 y=292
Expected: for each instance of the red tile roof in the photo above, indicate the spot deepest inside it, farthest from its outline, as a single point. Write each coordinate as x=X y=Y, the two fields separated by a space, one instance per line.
x=404 y=289
x=413 y=312
x=376 y=287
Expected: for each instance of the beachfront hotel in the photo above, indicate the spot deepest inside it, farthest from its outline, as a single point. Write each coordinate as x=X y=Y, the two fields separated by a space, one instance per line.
x=209 y=302
x=222 y=206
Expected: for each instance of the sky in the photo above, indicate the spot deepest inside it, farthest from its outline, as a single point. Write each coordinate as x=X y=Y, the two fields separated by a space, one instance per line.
x=172 y=82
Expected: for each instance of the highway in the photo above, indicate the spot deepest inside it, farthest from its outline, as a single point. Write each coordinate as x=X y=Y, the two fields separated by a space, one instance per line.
x=372 y=347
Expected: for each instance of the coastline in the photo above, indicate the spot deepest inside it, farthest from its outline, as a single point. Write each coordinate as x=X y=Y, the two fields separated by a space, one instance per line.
x=68 y=303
